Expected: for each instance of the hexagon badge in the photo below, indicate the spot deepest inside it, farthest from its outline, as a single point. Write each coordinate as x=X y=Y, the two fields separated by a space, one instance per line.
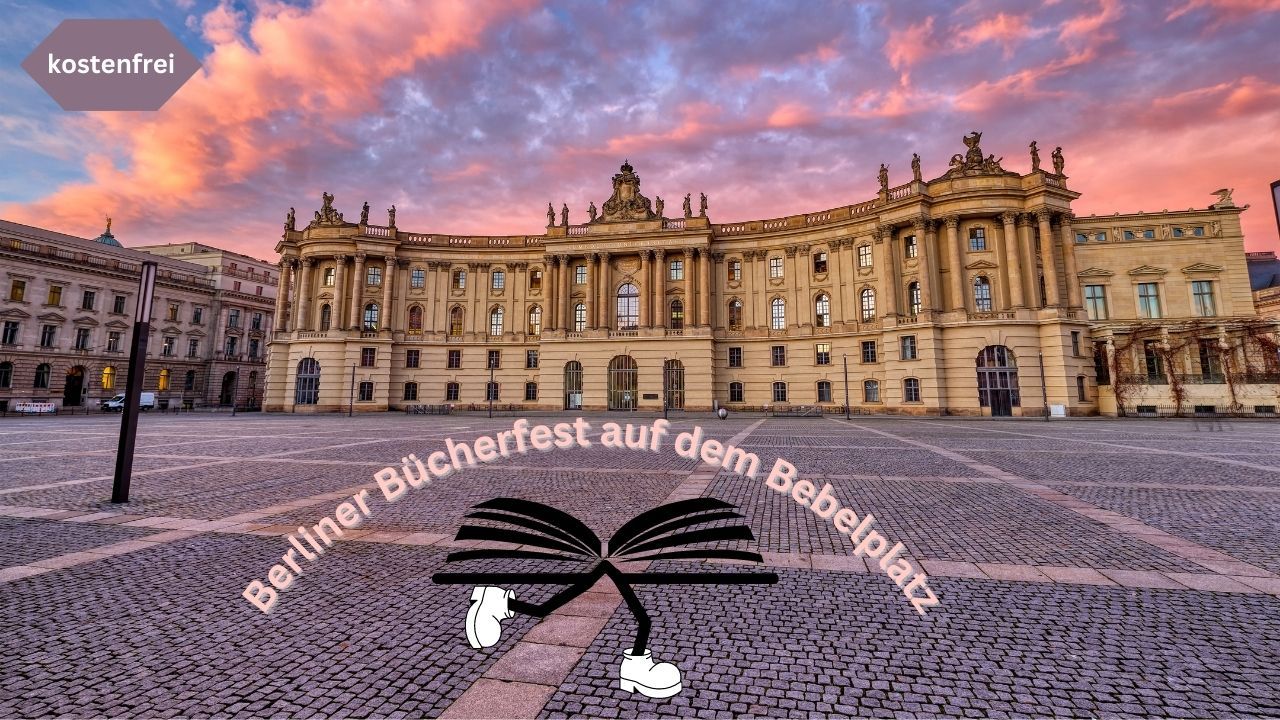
x=111 y=64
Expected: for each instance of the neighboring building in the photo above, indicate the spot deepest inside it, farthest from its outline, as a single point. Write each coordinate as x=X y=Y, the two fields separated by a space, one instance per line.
x=1264 y=278
x=66 y=312
x=949 y=296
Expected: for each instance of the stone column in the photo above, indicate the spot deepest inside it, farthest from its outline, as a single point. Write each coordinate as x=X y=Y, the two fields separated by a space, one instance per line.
x=922 y=227
x=517 y=284
x=550 y=292
x=388 y=289
x=835 y=270
x=606 y=292
x=431 y=323
x=336 y=316
x=564 y=294
x=480 y=297
x=357 y=293
x=400 y=300
x=894 y=279
x=690 y=311
x=646 y=288
x=955 y=274
x=1013 y=259
x=704 y=287
x=282 y=296
x=304 y=295
x=1069 y=261
x=660 y=289
x=1048 y=257
x=1031 y=272
x=592 y=299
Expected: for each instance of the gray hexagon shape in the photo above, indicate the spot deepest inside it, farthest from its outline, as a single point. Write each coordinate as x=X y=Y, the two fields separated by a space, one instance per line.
x=134 y=41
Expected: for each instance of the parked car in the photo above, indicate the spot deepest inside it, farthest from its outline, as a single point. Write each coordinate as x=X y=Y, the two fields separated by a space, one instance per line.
x=116 y=404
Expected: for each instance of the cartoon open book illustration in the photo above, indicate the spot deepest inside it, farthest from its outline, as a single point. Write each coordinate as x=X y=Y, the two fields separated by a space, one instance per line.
x=675 y=531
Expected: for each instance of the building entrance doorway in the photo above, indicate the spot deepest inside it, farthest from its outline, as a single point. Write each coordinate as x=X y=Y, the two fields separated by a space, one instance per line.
x=622 y=383
x=673 y=384
x=573 y=385
x=998 y=380
x=228 y=394
x=73 y=390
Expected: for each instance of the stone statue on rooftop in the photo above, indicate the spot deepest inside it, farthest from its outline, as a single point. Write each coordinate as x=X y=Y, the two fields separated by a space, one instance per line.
x=915 y=167
x=1058 y=162
x=551 y=215
x=564 y=215
x=702 y=205
x=591 y=212
x=391 y=216
x=364 y=214
x=657 y=205
x=688 y=206
x=288 y=221
x=884 y=177
x=1035 y=157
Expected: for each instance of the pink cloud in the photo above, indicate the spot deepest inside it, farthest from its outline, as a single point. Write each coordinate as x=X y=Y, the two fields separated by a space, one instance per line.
x=790 y=115
x=908 y=46
x=1006 y=30
x=1226 y=9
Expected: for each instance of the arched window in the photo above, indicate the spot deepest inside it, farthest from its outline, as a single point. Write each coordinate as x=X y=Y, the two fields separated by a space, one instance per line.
x=778 y=314
x=535 y=320
x=307 y=386
x=868 y=297
x=871 y=391
x=496 y=321
x=371 y=316
x=326 y=316
x=735 y=314
x=780 y=392
x=579 y=317
x=42 y=376
x=108 y=378
x=981 y=294
x=455 y=320
x=913 y=298
x=735 y=392
x=163 y=383
x=628 y=307
x=822 y=311
x=415 y=320
x=677 y=315
x=6 y=374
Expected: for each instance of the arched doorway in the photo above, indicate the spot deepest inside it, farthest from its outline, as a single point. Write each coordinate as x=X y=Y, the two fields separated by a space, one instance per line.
x=307 y=387
x=73 y=390
x=228 y=394
x=573 y=385
x=622 y=383
x=673 y=384
x=998 y=380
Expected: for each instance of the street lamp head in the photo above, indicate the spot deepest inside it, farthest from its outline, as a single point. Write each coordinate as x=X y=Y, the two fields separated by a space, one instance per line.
x=146 y=290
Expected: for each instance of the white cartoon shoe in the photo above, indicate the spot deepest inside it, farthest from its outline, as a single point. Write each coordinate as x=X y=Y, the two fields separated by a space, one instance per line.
x=488 y=610
x=639 y=673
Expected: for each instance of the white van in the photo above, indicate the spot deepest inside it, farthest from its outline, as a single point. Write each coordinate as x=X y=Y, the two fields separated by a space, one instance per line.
x=116 y=404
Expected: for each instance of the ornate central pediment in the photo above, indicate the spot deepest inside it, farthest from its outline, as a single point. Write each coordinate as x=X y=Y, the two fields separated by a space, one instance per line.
x=973 y=162
x=626 y=204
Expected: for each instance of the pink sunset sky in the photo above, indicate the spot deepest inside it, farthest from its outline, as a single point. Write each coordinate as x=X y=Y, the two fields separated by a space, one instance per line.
x=471 y=116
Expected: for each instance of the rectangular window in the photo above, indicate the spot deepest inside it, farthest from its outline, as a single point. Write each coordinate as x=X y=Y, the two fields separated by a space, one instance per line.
x=822 y=354
x=1210 y=363
x=819 y=263
x=17 y=290
x=824 y=391
x=977 y=239
x=253 y=348
x=910 y=248
x=366 y=391
x=491 y=391
x=373 y=276
x=735 y=357
x=530 y=391
x=1101 y=368
x=255 y=323
x=1095 y=302
x=735 y=392
x=87 y=300
x=1075 y=343
x=495 y=359
x=911 y=390
x=48 y=333
x=531 y=360
x=871 y=391
x=55 y=295
x=11 y=333
x=735 y=270
x=864 y=256
x=778 y=355
x=455 y=359
x=1148 y=300
x=82 y=338
x=868 y=351
x=117 y=304
x=412 y=358
x=1128 y=235
x=417 y=278
x=411 y=391
x=452 y=392
x=233 y=318
x=1151 y=357
x=1082 y=237
x=174 y=309
x=499 y=280
x=236 y=286
x=113 y=341
x=231 y=346
x=780 y=392
x=328 y=276
x=778 y=314
x=193 y=347
x=1198 y=231
x=1148 y=234
x=1202 y=294
x=677 y=270
x=579 y=274
x=908 y=343
x=775 y=267
x=166 y=349
x=197 y=315
x=1080 y=388
x=368 y=357
x=1177 y=232
x=459 y=279
x=535 y=279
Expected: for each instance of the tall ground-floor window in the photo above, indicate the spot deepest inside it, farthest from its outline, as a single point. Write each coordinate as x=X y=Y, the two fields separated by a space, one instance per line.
x=307 y=386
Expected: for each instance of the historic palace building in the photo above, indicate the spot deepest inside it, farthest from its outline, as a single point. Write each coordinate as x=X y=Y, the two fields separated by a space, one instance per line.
x=66 y=316
x=978 y=292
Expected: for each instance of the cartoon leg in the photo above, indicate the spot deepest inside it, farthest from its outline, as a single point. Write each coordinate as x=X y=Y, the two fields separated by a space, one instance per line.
x=639 y=673
x=491 y=605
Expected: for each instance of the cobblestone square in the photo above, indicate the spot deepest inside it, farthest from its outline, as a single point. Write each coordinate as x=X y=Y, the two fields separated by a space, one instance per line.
x=1083 y=567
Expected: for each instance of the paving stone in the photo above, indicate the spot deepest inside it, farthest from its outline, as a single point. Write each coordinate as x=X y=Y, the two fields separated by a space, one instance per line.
x=1215 y=583
x=1077 y=576
x=537 y=663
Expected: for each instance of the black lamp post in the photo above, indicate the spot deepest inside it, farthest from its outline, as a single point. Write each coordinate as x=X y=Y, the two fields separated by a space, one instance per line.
x=133 y=387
